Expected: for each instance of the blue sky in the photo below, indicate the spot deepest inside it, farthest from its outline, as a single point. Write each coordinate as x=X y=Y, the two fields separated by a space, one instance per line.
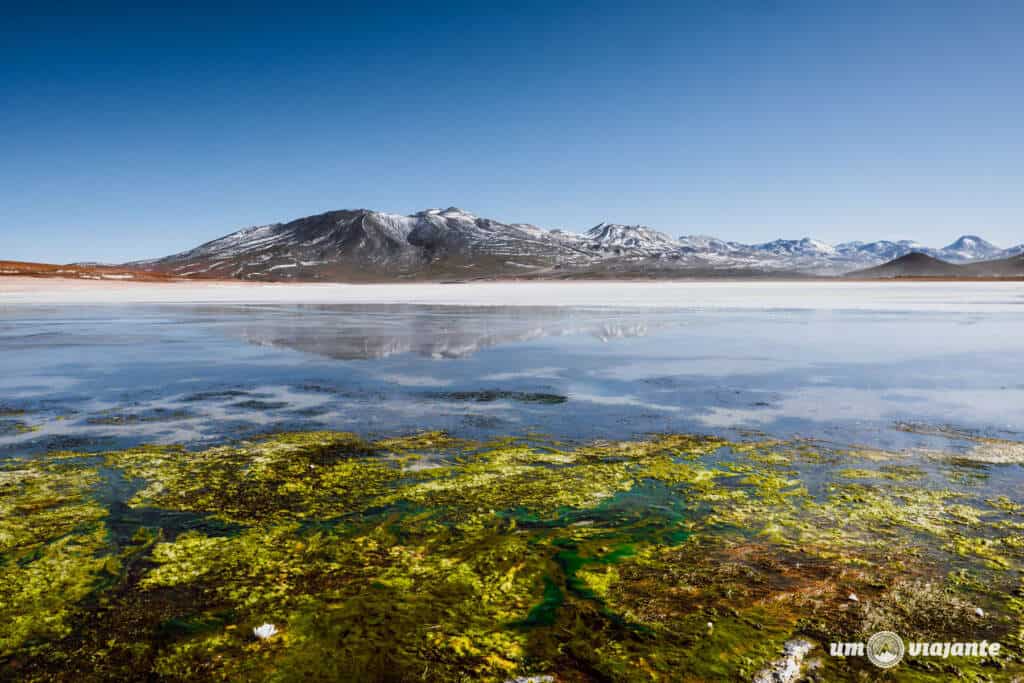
x=128 y=133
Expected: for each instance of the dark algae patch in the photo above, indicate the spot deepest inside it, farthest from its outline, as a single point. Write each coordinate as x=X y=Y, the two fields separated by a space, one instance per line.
x=430 y=558
x=7 y=410
x=256 y=404
x=9 y=426
x=491 y=395
x=151 y=416
x=222 y=395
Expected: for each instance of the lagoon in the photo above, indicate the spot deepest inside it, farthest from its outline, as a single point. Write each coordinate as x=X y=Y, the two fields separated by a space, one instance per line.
x=504 y=491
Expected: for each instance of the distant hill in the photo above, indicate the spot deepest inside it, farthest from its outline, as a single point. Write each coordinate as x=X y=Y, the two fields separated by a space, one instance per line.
x=1006 y=267
x=918 y=265
x=914 y=264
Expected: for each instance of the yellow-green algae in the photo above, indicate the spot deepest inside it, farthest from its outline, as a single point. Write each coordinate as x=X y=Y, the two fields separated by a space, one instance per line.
x=431 y=558
x=51 y=540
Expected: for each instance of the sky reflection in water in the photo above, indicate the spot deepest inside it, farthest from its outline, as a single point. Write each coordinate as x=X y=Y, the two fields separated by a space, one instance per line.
x=100 y=377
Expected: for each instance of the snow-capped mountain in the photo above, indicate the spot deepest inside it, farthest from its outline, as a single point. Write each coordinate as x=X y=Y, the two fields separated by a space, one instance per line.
x=883 y=250
x=440 y=244
x=704 y=244
x=337 y=242
x=970 y=248
x=628 y=240
x=802 y=248
x=455 y=234
x=371 y=245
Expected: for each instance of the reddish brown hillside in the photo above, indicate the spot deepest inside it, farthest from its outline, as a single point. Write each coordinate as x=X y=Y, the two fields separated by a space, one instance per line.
x=78 y=271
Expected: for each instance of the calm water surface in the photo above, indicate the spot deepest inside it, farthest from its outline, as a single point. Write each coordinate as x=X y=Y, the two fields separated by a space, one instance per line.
x=92 y=378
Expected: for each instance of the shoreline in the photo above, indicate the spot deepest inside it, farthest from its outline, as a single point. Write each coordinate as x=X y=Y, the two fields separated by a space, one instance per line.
x=885 y=295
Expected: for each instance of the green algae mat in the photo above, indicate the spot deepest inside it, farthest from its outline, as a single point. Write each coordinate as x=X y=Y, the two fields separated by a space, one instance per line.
x=429 y=558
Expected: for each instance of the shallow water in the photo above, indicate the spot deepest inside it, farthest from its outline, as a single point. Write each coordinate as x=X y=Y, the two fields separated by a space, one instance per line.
x=838 y=451
x=105 y=376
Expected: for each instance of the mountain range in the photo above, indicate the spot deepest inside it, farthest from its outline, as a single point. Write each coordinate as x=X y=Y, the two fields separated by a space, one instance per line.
x=445 y=244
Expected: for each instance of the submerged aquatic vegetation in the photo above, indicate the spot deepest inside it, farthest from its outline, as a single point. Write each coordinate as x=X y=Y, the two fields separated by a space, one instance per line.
x=40 y=594
x=17 y=427
x=981 y=449
x=315 y=475
x=7 y=410
x=918 y=609
x=145 y=417
x=490 y=395
x=51 y=537
x=300 y=555
x=43 y=501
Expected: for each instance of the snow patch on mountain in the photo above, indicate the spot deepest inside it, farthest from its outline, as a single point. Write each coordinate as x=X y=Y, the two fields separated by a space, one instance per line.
x=628 y=240
x=970 y=248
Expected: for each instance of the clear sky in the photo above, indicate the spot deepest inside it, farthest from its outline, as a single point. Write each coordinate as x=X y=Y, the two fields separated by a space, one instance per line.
x=128 y=133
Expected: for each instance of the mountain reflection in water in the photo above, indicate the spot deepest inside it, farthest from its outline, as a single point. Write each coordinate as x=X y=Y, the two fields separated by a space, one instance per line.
x=353 y=333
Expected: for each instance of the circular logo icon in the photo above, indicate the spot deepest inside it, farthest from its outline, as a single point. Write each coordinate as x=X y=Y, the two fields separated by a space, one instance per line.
x=885 y=649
